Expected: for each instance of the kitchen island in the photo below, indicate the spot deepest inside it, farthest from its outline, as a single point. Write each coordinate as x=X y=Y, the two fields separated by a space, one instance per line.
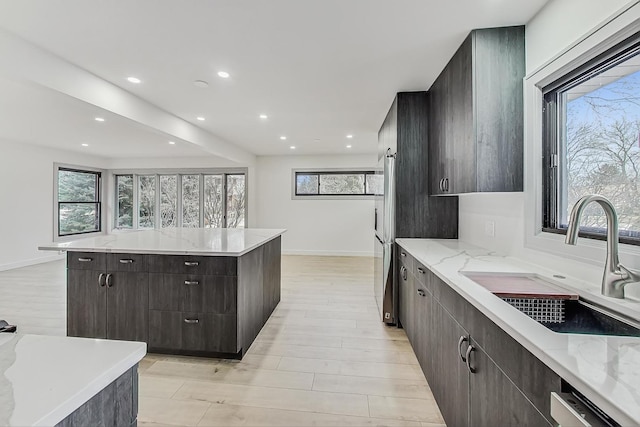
x=201 y=292
x=61 y=381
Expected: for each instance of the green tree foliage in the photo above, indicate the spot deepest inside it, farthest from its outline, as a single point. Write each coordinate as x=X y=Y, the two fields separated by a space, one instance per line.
x=79 y=210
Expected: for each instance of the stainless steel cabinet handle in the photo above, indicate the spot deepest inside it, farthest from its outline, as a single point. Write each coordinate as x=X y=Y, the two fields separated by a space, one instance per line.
x=402 y=254
x=403 y=272
x=109 y=280
x=421 y=292
x=420 y=270
x=461 y=341
x=85 y=259
x=101 y=280
x=440 y=186
x=191 y=263
x=126 y=261
x=191 y=282
x=191 y=321
x=446 y=184
x=470 y=349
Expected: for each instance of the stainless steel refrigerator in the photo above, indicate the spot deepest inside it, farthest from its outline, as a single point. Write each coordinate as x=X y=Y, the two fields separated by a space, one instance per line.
x=384 y=238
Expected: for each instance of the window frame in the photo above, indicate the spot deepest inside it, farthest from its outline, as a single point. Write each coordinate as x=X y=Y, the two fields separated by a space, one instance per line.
x=100 y=173
x=331 y=171
x=178 y=173
x=552 y=126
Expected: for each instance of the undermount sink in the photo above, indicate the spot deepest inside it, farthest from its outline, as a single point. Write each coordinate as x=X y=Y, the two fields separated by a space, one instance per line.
x=554 y=307
x=580 y=317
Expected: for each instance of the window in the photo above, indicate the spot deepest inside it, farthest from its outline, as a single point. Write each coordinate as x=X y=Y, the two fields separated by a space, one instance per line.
x=591 y=121
x=78 y=201
x=203 y=199
x=337 y=183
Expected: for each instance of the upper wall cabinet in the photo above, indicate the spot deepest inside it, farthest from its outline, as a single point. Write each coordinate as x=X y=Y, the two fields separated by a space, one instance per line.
x=405 y=133
x=476 y=115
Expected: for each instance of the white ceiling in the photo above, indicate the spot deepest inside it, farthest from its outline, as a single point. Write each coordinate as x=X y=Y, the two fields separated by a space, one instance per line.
x=319 y=69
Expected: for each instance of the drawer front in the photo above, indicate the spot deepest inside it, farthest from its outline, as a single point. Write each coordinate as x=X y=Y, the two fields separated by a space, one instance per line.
x=87 y=261
x=422 y=273
x=210 y=294
x=209 y=332
x=127 y=262
x=194 y=293
x=189 y=331
x=405 y=259
x=201 y=265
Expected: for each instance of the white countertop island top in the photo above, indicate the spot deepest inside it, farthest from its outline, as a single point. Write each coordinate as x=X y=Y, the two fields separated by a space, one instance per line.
x=43 y=379
x=606 y=369
x=174 y=241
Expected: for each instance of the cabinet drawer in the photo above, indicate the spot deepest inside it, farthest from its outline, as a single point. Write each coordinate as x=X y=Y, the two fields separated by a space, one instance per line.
x=87 y=261
x=404 y=258
x=202 y=265
x=195 y=293
x=423 y=274
x=189 y=331
x=127 y=262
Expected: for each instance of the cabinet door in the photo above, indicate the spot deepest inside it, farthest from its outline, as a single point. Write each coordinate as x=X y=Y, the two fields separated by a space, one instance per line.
x=86 y=304
x=423 y=324
x=461 y=149
x=436 y=132
x=128 y=306
x=450 y=384
x=209 y=332
x=494 y=400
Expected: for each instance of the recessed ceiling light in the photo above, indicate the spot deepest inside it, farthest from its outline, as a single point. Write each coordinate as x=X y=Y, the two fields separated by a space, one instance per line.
x=201 y=83
x=85 y=145
x=293 y=147
x=134 y=80
x=99 y=119
x=348 y=146
x=223 y=74
x=172 y=143
x=200 y=118
x=263 y=116
x=283 y=137
x=349 y=136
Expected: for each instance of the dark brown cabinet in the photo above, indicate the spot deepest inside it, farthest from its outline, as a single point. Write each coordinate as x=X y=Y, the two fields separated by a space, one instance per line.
x=476 y=115
x=195 y=305
x=105 y=293
x=479 y=374
x=405 y=133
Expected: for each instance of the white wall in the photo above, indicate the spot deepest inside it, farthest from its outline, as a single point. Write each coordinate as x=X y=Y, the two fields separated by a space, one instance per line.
x=323 y=227
x=26 y=200
x=556 y=27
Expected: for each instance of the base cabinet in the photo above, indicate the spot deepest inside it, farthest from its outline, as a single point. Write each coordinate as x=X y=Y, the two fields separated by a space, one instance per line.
x=479 y=375
x=104 y=296
x=194 y=305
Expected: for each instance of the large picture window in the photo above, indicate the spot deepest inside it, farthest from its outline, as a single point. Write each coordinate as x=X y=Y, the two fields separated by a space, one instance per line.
x=592 y=143
x=336 y=183
x=187 y=199
x=78 y=201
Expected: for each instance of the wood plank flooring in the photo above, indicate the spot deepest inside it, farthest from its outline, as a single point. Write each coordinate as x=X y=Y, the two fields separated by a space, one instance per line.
x=323 y=358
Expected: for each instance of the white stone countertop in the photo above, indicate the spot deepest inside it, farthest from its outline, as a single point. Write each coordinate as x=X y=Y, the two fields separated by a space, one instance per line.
x=174 y=241
x=43 y=379
x=606 y=369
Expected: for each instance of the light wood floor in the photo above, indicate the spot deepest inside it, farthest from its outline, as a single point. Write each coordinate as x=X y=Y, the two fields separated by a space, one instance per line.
x=323 y=358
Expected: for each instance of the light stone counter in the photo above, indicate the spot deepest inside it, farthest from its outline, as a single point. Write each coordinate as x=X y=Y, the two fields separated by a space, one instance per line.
x=43 y=379
x=174 y=241
x=606 y=369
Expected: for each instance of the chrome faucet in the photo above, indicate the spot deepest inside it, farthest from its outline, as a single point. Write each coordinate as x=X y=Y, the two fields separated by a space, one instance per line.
x=616 y=276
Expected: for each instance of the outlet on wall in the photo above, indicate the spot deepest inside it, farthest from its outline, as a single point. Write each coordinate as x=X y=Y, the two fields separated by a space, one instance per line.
x=490 y=228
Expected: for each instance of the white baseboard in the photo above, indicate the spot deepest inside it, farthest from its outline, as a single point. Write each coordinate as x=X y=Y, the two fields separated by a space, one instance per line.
x=327 y=253
x=33 y=261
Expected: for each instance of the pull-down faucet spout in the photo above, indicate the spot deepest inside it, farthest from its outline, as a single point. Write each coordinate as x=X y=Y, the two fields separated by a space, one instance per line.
x=615 y=276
